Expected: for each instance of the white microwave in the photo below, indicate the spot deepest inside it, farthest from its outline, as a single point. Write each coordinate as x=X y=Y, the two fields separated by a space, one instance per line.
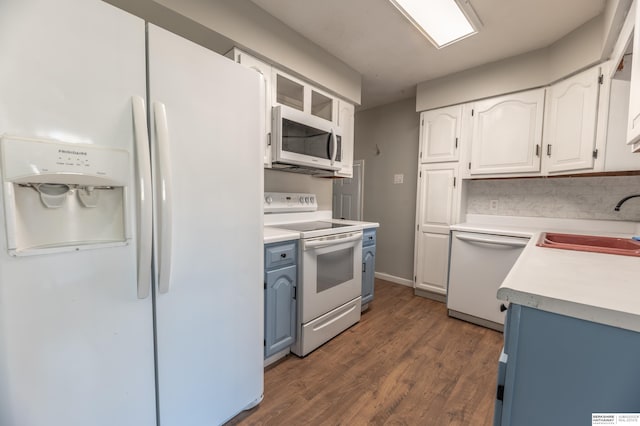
x=302 y=141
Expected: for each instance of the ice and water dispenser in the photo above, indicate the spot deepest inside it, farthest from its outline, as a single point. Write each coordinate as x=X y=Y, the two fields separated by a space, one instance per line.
x=63 y=196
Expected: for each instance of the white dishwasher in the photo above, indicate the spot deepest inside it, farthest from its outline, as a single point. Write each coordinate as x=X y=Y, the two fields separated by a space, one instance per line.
x=479 y=263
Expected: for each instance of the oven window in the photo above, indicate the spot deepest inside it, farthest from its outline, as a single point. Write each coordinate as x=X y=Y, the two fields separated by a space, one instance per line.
x=334 y=268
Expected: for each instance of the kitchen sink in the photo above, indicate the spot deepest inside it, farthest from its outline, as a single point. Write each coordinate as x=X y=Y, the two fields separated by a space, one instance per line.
x=592 y=243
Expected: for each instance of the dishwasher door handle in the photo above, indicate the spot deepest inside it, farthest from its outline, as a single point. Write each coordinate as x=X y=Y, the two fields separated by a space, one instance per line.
x=489 y=240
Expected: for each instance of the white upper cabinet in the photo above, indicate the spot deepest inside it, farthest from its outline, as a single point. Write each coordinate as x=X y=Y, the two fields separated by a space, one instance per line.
x=570 y=129
x=440 y=134
x=507 y=134
x=633 y=124
x=265 y=70
x=298 y=94
x=346 y=120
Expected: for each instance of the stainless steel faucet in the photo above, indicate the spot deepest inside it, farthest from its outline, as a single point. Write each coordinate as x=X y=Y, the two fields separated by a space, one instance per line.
x=621 y=202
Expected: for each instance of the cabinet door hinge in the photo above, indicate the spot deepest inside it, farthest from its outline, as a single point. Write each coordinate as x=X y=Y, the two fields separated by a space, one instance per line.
x=500 y=393
x=264 y=343
x=469 y=165
x=421 y=154
x=239 y=60
x=265 y=286
x=268 y=139
x=364 y=267
x=548 y=150
x=454 y=181
x=420 y=175
x=595 y=153
x=456 y=142
x=472 y=112
x=295 y=293
x=601 y=79
x=417 y=227
x=422 y=122
x=415 y=278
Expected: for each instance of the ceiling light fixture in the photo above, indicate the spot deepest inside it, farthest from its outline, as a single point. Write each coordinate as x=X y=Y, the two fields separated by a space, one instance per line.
x=443 y=22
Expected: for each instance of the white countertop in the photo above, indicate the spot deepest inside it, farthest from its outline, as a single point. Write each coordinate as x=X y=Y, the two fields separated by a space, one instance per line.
x=276 y=235
x=597 y=287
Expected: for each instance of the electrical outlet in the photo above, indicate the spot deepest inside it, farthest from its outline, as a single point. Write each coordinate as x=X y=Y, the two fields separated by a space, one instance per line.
x=493 y=206
x=398 y=179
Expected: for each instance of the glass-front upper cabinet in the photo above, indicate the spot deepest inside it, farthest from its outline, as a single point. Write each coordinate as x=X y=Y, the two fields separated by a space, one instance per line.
x=300 y=95
x=289 y=92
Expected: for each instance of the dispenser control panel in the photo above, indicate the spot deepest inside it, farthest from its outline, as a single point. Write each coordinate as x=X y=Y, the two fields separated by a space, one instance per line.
x=40 y=161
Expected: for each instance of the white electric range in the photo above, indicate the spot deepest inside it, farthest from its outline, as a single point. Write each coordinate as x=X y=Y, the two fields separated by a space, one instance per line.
x=329 y=269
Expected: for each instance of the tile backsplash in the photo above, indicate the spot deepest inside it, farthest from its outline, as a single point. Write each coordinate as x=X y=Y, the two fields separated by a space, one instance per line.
x=575 y=197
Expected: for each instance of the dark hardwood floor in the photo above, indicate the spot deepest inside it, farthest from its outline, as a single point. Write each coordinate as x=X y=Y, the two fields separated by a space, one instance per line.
x=405 y=363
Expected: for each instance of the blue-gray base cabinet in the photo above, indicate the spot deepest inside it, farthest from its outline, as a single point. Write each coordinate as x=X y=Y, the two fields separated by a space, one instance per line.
x=280 y=288
x=558 y=370
x=368 y=265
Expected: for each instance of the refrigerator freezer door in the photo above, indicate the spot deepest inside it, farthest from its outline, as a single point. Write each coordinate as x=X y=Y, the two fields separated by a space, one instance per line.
x=210 y=322
x=76 y=343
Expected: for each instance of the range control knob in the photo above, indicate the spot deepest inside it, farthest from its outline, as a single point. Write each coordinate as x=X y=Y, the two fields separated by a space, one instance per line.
x=301 y=200
x=313 y=200
x=306 y=200
x=268 y=199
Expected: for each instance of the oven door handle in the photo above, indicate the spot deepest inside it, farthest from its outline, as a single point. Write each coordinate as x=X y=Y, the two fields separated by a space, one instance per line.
x=326 y=243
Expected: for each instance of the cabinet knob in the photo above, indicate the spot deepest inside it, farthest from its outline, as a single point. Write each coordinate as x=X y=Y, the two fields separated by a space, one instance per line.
x=283 y=255
x=503 y=307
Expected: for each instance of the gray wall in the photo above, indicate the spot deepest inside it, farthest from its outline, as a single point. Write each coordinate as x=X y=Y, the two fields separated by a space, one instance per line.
x=386 y=138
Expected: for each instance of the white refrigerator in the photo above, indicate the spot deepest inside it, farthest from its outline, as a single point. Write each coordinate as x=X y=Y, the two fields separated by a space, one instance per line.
x=137 y=302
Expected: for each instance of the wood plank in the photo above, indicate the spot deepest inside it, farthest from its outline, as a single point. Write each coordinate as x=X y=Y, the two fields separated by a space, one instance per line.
x=406 y=362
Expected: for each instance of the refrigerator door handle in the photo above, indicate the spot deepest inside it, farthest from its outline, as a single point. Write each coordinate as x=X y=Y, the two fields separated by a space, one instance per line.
x=144 y=211
x=165 y=230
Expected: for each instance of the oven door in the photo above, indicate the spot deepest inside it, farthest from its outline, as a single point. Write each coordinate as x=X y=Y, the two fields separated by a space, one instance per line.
x=305 y=140
x=331 y=273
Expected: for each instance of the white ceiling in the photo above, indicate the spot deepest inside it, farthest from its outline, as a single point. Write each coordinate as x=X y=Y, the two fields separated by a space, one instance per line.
x=372 y=37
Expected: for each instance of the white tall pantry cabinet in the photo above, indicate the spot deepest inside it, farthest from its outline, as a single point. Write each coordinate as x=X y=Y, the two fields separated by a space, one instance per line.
x=438 y=197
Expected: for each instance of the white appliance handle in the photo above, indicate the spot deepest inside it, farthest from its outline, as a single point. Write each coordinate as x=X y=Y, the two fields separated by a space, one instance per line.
x=144 y=211
x=328 y=243
x=334 y=152
x=510 y=243
x=165 y=229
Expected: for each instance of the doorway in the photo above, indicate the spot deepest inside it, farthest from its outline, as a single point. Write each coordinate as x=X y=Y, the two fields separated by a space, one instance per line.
x=348 y=194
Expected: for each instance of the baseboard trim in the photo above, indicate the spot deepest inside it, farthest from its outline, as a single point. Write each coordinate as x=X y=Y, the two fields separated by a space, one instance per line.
x=394 y=279
x=430 y=295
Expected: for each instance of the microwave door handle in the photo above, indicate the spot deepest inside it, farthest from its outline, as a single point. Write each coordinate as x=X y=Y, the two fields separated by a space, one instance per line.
x=334 y=150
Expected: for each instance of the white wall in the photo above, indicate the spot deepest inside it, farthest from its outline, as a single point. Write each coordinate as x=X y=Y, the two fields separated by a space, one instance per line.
x=221 y=24
x=387 y=140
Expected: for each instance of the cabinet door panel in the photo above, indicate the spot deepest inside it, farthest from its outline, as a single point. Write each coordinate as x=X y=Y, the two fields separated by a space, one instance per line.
x=439 y=134
x=633 y=124
x=432 y=262
x=507 y=134
x=263 y=69
x=570 y=133
x=368 y=273
x=280 y=309
x=435 y=212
